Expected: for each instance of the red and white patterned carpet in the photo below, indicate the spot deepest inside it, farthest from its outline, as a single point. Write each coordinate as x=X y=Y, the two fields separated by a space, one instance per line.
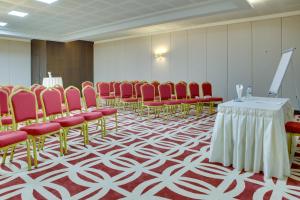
x=145 y=159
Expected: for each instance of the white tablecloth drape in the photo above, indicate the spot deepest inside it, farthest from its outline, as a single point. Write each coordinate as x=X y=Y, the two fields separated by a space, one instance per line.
x=250 y=135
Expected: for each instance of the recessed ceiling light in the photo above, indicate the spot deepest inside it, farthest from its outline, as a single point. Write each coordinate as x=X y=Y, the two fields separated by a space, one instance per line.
x=47 y=1
x=17 y=13
x=3 y=23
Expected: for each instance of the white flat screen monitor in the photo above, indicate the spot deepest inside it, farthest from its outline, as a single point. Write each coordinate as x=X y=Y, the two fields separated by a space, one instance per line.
x=281 y=70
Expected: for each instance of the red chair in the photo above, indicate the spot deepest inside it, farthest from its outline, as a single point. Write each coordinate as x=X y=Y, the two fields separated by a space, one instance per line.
x=104 y=94
x=111 y=87
x=7 y=90
x=38 y=90
x=149 y=100
x=73 y=102
x=62 y=95
x=207 y=93
x=292 y=129
x=117 y=89
x=9 y=140
x=181 y=94
x=194 y=89
x=127 y=97
x=6 y=119
x=172 y=86
x=87 y=83
x=24 y=110
x=52 y=109
x=156 y=84
x=165 y=95
x=34 y=86
x=138 y=91
x=90 y=102
x=10 y=88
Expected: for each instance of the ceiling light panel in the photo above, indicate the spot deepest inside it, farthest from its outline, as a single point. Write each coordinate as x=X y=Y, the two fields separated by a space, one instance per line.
x=18 y=13
x=3 y=23
x=47 y=1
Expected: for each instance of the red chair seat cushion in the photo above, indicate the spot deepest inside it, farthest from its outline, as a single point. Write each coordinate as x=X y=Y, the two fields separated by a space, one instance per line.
x=106 y=111
x=171 y=102
x=130 y=100
x=90 y=116
x=292 y=127
x=216 y=99
x=12 y=137
x=203 y=100
x=69 y=121
x=153 y=103
x=41 y=128
x=6 y=120
x=190 y=101
x=108 y=97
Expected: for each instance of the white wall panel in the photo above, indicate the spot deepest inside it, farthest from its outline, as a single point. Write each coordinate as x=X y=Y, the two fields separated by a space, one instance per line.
x=290 y=39
x=197 y=55
x=15 y=62
x=179 y=56
x=239 y=57
x=266 y=53
x=161 y=68
x=217 y=59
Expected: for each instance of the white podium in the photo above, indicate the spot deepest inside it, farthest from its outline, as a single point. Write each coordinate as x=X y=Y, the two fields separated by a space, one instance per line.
x=52 y=81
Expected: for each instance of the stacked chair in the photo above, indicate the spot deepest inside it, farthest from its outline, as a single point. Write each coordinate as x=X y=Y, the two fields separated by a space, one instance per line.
x=87 y=83
x=104 y=93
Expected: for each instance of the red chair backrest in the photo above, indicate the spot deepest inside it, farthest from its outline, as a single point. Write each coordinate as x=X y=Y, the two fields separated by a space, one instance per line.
x=103 y=89
x=10 y=88
x=4 y=109
x=148 y=92
x=165 y=91
x=87 y=83
x=207 y=89
x=126 y=90
x=117 y=89
x=61 y=91
x=24 y=107
x=38 y=90
x=155 y=84
x=34 y=86
x=72 y=96
x=51 y=101
x=138 y=91
x=180 y=89
x=172 y=86
x=89 y=96
x=194 y=90
x=111 y=86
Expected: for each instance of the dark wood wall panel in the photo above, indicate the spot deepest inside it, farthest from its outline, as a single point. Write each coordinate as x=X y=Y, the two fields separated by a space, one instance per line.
x=74 y=61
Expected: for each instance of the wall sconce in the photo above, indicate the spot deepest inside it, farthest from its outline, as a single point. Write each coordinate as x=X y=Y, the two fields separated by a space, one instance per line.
x=160 y=54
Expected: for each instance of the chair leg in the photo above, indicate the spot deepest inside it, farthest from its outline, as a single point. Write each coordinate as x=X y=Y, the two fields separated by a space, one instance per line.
x=61 y=139
x=4 y=156
x=28 y=155
x=103 y=127
x=116 y=121
x=12 y=153
x=86 y=134
x=34 y=151
x=65 y=139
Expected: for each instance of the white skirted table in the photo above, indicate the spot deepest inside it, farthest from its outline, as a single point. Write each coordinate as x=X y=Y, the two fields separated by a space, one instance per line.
x=250 y=135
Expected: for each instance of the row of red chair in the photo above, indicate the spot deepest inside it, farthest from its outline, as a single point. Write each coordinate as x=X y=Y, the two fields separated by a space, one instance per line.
x=24 y=107
x=131 y=93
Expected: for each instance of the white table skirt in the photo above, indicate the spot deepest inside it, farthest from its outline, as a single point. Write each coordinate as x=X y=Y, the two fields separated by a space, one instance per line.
x=250 y=135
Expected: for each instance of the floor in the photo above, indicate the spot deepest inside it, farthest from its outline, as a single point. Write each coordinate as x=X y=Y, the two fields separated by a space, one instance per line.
x=145 y=159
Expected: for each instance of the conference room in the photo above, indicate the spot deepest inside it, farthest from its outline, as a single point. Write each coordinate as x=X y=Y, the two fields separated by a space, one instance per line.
x=149 y=99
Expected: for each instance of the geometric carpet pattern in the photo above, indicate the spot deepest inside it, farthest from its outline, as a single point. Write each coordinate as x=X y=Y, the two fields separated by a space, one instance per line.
x=144 y=159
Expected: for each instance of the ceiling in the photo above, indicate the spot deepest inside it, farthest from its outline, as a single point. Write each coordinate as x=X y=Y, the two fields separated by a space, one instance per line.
x=94 y=20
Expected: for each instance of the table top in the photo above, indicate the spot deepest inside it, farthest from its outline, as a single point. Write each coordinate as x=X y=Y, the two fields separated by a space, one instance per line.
x=264 y=103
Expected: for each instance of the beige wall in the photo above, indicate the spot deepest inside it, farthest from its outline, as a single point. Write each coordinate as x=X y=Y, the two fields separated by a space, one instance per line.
x=246 y=53
x=15 y=64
